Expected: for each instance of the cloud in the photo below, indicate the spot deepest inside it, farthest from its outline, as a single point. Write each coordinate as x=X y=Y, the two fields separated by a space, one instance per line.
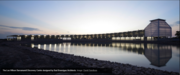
x=3 y=26
x=15 y=27
x=23 y=28
x=30 y=29
x=175 y=23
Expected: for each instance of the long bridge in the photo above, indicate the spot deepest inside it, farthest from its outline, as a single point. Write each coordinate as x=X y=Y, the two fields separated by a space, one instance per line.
x=158 y=28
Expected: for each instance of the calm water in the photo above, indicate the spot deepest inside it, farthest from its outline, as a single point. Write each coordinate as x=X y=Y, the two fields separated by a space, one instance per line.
x=163 y=57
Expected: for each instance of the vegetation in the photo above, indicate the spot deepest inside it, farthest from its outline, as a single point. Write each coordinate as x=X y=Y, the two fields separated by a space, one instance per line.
x=177 y=34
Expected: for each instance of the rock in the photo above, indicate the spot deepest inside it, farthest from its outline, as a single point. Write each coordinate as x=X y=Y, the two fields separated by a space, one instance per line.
x=147 y=72
x=133 y=72
x=128 y=69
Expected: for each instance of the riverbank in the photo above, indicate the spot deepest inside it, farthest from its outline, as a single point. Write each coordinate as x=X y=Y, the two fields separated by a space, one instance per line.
x=18 y=57
x=25 y=57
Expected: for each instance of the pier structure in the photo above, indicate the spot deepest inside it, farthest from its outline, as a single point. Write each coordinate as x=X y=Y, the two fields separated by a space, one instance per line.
x=157 y=28
x=130 y=35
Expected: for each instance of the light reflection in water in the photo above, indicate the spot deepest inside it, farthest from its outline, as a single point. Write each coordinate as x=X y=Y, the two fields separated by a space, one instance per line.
x=32 y=45
x=158 y=56
x=50 y=47
x=54 y=47
x=59 y=47
x=68 y=47
x=64 y=44
x=148 y=55
x=44 y=46
x=38 y=46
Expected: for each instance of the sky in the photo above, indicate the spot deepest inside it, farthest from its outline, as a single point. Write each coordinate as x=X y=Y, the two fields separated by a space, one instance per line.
x=83 y=17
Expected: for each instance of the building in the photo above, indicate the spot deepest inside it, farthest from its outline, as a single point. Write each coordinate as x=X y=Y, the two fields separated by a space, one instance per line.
x=157 y=28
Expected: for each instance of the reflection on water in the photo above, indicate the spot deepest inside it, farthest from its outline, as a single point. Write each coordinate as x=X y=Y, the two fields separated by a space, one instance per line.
x=158 y=55
x=140 y=54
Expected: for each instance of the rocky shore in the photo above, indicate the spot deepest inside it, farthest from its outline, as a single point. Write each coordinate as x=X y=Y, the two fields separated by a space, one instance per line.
x=14 y=56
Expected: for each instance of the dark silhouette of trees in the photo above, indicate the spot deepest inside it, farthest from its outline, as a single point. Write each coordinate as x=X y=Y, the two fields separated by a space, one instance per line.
x=177 y=34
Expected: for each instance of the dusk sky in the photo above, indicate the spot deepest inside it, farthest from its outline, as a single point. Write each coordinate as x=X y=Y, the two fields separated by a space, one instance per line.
x=83 y=17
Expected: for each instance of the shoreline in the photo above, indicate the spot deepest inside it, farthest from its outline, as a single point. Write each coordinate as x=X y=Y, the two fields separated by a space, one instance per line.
x=118 y=68
x=13 y=56
x=171 y=41
x=98 y=41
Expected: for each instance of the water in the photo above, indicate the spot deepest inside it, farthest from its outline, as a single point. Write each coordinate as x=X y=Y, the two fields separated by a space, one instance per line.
x=163 y=57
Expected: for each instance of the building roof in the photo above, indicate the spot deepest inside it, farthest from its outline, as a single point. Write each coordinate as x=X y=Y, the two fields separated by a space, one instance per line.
x=157 y=20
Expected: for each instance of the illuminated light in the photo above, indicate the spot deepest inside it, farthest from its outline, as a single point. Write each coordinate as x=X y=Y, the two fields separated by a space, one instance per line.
x=64 y=45
x=54 y=47
x=38 y=46
x=32 y=38
x=25 y=36
x=49 y=36
x=69 y=44
x=59 y=47
x=32 y=45
x=64 y=51
x=18 y=38
x=113 y=44
x=69 y=48
x=122 y=44
x=44 y=46
x=118 y=44
x=44 y=36
x=132 y=45
x=38 y=36
x=50 y=47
